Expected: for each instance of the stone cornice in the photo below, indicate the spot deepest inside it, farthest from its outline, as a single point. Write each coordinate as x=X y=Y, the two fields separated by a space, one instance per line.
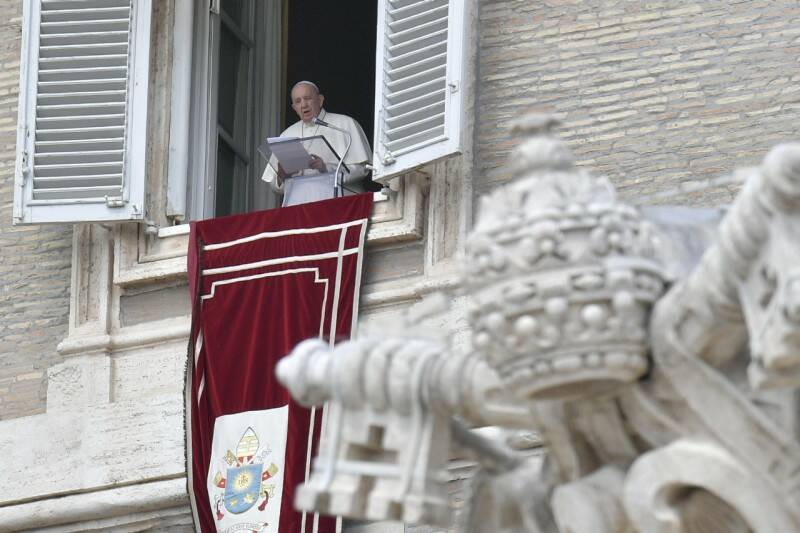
x=125 y=503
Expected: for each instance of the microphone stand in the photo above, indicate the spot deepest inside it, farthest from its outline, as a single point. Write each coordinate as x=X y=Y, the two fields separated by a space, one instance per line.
x=338 y=188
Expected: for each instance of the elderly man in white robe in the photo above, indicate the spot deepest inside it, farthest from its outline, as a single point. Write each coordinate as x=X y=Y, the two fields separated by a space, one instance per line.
x=317 y=183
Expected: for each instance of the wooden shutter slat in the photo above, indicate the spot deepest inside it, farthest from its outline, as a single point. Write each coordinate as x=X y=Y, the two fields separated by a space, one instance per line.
x=409 y=7
x=88 y=74
x=92 y=25
x=427 y=62
x=88 y=169
x=421 y=24
x=438 y=72
x=51 y=5
x=74 y=182
x=417 y=140
x=414 y=128
x=67 y=158
x=79 y=111
x=416 y=113
x=74 y=134
x=93 y=14
x=413 y=56
x=75 y=145
x=79 y=86
x=420 y=90
x=88 y=49
x=85 y=193
x=54 y=157
x=78 y=97
x=415 y=103
x=86 y=38
x=71 y=122
x=62 y=63
x=416 y=45
x=419 y=19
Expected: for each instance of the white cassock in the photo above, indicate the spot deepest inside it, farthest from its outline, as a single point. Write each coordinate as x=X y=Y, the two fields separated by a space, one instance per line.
x=311 y=185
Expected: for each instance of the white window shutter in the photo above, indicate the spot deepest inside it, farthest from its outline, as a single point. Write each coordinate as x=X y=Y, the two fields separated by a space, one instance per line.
x=418 y=92
x=82 y=111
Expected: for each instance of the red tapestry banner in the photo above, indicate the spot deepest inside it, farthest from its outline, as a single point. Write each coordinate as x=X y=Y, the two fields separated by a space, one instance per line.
x=261 y=283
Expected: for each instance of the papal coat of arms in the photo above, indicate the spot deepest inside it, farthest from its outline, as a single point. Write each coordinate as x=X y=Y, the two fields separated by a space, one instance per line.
x=245 y=480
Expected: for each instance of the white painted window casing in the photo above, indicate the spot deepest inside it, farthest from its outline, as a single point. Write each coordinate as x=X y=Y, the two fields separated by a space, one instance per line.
x=418 y=92
x=81 y=136
x=260 y=97
x=180 y=108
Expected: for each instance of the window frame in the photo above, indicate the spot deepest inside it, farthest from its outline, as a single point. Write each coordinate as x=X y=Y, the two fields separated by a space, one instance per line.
x=201 y=142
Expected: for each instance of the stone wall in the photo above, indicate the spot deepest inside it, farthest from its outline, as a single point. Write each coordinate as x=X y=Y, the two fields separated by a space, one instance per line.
x=34 y=260
x=652 y=93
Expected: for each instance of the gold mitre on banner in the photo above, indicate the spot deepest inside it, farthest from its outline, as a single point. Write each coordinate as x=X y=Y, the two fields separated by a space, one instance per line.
x=560 y=275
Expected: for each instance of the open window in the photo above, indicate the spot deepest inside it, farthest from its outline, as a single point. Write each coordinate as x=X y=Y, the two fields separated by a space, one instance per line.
x=247 y=52
x=345 y=70
x=394 y=65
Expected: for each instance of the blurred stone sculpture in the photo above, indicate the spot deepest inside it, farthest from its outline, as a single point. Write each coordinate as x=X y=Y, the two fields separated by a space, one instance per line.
x=639 y=383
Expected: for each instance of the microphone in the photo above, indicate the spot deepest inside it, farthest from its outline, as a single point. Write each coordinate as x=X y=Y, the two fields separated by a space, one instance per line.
x=320 y=122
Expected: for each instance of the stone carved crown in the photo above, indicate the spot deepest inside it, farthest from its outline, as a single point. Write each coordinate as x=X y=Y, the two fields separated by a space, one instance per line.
x=561 y=277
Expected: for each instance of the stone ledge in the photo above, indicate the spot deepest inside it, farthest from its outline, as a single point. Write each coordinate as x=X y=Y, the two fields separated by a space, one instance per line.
x=120 y=443
x=129 y=501
x=127 y=338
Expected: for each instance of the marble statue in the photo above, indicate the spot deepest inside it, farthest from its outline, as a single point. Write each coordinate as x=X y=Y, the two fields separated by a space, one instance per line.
x=641 y=377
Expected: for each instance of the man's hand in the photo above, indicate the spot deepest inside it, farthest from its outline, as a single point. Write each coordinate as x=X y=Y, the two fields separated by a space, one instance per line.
x=316 y=163
x=281 y=175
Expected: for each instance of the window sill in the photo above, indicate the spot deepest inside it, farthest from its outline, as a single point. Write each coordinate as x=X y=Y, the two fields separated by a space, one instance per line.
x=143 y=258
x=173 y=231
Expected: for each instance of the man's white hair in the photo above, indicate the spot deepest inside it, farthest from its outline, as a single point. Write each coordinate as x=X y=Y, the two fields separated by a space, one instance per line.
x=305 y=82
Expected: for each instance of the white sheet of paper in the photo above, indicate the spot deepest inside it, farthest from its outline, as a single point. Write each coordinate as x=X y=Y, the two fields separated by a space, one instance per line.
x=293 y=156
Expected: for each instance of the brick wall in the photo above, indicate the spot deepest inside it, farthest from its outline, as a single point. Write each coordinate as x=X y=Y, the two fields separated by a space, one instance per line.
x=652 y=93
x=34 y=260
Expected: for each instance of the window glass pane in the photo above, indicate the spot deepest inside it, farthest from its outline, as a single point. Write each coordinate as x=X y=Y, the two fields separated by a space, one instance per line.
x=232 y=68
x=236 y=10
x=233 y=110
x=231 y=194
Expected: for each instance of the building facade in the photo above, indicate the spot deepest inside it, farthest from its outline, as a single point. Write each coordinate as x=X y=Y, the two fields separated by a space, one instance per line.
x=94 y=316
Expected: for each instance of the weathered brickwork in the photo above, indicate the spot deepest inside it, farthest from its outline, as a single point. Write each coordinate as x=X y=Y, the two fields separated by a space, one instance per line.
x=34 y=260
x=653 y=93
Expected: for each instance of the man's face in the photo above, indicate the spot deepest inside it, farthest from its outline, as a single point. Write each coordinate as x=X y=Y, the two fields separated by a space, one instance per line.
x=306 y=102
